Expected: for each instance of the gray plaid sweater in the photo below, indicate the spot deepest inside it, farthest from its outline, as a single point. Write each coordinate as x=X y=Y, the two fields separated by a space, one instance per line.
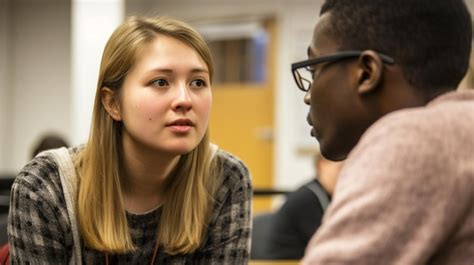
x=40 y=231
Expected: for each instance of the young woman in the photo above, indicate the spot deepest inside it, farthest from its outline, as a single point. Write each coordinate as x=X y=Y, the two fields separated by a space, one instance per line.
x=148 y=187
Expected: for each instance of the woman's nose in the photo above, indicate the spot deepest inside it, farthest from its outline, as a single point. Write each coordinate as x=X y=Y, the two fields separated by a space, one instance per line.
x=182 y=100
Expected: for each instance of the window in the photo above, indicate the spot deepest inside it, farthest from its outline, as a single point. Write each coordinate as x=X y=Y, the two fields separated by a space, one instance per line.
x=239 y=51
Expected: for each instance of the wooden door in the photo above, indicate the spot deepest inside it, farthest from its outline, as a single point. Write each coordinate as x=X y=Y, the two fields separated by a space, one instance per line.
x=242 y=122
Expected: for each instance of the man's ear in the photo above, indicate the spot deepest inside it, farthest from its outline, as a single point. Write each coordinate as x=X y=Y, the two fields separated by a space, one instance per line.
x=110 y=102
x=370 y=72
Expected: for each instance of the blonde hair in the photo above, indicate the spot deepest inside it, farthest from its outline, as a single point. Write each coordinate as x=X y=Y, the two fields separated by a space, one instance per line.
x=190 y=188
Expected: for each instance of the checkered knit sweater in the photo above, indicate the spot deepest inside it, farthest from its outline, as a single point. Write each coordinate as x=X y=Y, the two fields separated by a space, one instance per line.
x=40 y=230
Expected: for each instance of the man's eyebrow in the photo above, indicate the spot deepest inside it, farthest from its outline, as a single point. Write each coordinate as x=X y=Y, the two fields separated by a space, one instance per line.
x=308 y=51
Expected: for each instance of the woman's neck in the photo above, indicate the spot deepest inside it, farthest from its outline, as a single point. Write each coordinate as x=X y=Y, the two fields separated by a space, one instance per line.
x=145 y=172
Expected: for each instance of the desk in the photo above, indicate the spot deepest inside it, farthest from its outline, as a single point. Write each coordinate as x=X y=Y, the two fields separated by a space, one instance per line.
x=274 y=262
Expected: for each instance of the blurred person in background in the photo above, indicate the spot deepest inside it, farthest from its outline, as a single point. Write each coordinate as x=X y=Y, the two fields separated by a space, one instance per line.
x=381 y=83
x=47 y=142
x=301 y=214
x=148 y=187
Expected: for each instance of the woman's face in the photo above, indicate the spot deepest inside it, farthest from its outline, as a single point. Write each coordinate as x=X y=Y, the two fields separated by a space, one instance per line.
x=166 y=98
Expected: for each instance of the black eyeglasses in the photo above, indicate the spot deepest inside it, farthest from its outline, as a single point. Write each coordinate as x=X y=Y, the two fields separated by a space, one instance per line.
x=304 y=75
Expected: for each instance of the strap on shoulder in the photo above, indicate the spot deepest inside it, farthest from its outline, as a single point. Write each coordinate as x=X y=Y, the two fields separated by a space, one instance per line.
x=319 y=193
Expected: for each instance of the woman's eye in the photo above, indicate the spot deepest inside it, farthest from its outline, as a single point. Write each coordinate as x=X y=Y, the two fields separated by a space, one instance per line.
x=159 y=82
x=198 y=83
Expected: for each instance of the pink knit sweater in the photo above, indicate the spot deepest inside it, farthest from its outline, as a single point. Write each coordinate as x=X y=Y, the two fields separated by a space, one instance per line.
x=406 y=193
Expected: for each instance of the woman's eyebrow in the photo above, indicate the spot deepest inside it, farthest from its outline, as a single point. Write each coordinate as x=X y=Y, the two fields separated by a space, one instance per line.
x=199 y=70
x=169 y=70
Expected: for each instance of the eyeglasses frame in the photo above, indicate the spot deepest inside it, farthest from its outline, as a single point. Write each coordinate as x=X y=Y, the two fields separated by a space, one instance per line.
x=329 y=58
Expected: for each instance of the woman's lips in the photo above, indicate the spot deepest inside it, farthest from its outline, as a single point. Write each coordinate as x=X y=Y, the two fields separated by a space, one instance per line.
x=180 y=128
x=180 y=125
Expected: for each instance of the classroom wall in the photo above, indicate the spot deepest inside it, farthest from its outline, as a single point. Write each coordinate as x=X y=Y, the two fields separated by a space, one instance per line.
x=4 y=25
x=36 y=93
x=92 y=24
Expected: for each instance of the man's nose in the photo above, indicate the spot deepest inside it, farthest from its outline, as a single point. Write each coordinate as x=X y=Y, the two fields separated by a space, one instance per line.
x=307 y=98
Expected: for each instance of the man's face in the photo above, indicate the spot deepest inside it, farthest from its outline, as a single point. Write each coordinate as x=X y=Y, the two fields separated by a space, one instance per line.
x=336 y=113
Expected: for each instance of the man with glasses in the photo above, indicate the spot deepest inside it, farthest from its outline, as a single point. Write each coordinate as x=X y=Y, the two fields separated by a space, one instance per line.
x=380 y=81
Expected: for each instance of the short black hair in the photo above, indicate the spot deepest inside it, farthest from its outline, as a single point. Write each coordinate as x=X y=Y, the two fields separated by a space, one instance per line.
x=429 y=39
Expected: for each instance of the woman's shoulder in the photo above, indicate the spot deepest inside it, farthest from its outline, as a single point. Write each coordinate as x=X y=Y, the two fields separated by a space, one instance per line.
x=41 y=174
x=232 y=167
x=236 y=178
x=234 y=194
x=39 y=171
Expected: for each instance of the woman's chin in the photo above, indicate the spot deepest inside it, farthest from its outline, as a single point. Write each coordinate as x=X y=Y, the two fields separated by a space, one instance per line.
x=181 y=149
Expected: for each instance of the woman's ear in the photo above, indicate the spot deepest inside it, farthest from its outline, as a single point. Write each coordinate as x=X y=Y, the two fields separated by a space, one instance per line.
x=370 y=72
x=111 y=103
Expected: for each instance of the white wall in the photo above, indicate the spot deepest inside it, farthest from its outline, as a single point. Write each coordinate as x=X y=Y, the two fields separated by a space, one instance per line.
x=4 y=25
x=39 y=76
x=294 y=145
x=37 y=91
x=91 y=29
x=295 y=20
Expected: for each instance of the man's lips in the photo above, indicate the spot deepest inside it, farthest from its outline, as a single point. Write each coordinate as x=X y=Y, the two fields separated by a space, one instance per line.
x=308 y=119
x=310 y=122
